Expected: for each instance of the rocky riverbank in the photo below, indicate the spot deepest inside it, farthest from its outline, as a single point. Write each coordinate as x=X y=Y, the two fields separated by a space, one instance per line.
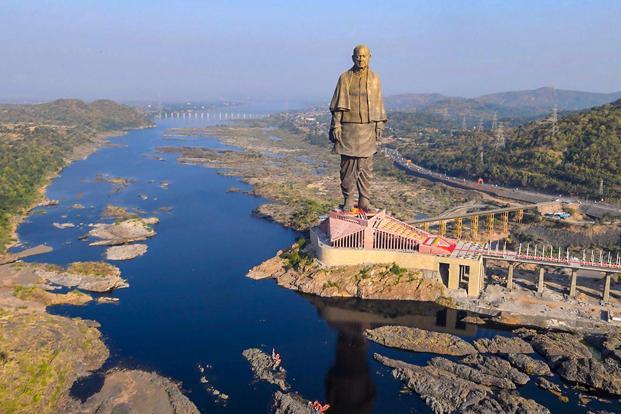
x=296 y=269
x=491 y=371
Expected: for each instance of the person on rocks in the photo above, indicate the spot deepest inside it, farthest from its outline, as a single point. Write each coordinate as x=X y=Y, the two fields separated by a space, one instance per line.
x=358 y=119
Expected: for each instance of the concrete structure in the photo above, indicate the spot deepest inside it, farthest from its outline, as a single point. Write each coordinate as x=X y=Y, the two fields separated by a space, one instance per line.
x=345 y=239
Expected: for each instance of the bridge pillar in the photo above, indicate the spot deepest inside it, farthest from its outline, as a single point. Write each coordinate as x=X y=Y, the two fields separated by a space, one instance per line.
x=606 y=293
x=442 y=227
x=572 y=284
x=510 y=277
x=426 y=226
x=458 y=227
x=542 y=271
x=519 y=215
x=474 y=226
x=505 y=222
x=490 y=224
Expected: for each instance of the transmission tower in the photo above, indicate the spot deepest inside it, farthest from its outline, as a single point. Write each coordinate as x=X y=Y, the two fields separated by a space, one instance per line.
x=480 y=127
x=463 y=122
x=554 y=119
x=494 y=121
x=500 y=135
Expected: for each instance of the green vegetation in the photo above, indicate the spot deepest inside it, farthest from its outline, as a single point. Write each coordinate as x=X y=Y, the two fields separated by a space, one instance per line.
x=92 y=268
x=295 y=258
x=36 y=141
x=585 y=149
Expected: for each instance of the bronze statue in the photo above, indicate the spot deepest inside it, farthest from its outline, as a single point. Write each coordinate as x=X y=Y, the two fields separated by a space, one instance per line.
x=358 y=119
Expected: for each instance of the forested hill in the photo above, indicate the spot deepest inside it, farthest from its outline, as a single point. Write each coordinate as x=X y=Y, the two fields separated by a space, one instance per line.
x=100 y=115
x=36 y=141
x=512 y=108
x=585 y=149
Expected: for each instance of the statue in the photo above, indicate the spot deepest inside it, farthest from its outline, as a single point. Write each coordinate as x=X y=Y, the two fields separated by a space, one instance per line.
x=358 y=119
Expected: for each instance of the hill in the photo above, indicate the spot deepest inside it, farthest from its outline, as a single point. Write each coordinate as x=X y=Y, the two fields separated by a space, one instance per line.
x=585 y=149
x=36 y=141
x=512 y=108
x=99 y=115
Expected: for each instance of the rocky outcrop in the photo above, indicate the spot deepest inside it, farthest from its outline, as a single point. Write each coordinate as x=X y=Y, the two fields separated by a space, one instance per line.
x=296 y=270
x=266 y=368
x=291 y=403
x=126 y=251
x=41 y=355
x=552 y=388
x=444 y=392
x=126 y=231
x=589 y=372
x=420 y=340
x=91 y=276
x=557 y=346
x=503 y=345
x=498 y=367
x=529 y=365
x=134 y=391
x=471 y=374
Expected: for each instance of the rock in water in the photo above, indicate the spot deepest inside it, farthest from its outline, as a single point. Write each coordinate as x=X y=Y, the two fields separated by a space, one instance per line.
x=551 y=387
x=420 y=340
x=291 y=403
x=126 y=251
x=558 y=346
x=91 y=276
x=263 y=368
x=447 y=393
x=497 y=367
x=134 y=391
x=126 y=231
x=529 y=365
x=605 y=376
x=471 y=374
x=503 y=345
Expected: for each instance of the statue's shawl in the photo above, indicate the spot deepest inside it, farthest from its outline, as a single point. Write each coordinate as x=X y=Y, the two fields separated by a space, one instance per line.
x=340 y=99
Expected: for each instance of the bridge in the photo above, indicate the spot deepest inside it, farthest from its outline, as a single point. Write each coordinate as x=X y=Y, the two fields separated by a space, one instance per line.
x=189 y=115
x=551 y=257
x=474 y=218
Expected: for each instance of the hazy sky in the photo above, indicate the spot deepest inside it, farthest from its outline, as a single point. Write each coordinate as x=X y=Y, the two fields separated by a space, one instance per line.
x=189 y=50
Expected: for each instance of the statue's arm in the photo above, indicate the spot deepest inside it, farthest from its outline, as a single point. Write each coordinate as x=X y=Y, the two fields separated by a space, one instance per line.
x=335 y=126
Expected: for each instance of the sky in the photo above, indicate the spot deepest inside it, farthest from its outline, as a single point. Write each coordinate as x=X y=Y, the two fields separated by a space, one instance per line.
x=132 y=50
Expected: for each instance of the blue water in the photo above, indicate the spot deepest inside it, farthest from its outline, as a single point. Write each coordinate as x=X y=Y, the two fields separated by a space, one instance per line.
x=189 y=301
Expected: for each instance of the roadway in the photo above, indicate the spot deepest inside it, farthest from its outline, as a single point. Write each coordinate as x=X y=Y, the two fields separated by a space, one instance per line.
x=591 y=208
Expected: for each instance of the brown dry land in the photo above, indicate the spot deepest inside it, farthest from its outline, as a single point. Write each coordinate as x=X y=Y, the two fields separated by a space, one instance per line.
x=301 y=179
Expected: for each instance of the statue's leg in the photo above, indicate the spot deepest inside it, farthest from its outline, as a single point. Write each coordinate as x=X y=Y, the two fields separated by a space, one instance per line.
x=349 y=165
x=365 y=175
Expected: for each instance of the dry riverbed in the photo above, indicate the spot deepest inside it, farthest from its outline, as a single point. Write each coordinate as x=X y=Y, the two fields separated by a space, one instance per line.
x=299 y=178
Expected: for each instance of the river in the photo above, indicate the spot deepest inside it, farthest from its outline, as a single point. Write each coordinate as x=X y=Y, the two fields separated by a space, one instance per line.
x=189 y=302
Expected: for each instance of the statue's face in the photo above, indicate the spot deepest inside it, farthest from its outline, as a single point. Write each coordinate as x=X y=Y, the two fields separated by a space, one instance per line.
x=361 y=58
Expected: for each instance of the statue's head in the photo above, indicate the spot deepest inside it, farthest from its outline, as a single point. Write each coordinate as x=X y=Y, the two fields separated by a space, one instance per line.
x=361 y=56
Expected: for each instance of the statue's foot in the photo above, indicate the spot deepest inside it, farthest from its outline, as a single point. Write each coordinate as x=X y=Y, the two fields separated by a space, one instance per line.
x=365 y=205
x=349 y=205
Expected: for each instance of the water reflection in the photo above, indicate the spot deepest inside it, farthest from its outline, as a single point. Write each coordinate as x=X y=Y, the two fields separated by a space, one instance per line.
x=349 y=384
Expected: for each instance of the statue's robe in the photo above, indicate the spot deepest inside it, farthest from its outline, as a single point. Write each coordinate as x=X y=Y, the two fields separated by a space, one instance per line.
x=362 y=108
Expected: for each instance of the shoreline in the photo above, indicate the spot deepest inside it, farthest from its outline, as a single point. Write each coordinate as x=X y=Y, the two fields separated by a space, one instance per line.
x=81 y=152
